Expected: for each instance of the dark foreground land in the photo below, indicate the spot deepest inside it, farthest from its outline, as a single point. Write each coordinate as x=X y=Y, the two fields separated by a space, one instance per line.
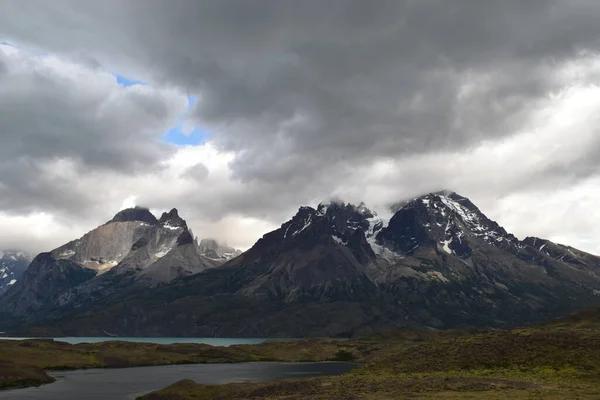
x=556 y=361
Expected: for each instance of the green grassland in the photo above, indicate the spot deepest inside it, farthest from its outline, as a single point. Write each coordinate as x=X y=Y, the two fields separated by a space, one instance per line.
x=557 y=361
x=560 y=360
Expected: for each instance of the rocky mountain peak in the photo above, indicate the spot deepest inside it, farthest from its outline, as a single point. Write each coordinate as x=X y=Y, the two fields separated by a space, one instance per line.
x=172 y=219
x=559 y=252
x=139 y=214
x=215 y=250
x=333 y=223
x=12 y=265
x=443 y=220
x=14 y=255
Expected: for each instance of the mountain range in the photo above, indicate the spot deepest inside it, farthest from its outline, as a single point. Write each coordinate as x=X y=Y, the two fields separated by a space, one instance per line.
x=12 y=265
x=334 y=270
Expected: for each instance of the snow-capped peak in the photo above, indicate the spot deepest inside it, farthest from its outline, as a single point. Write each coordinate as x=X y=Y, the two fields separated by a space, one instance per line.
x=302 y=220
x=12 y=265
x=458 y=217
x=326 y=205
x=362 y=208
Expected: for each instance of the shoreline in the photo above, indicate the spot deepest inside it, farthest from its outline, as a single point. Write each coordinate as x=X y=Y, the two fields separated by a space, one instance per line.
x=28 y=362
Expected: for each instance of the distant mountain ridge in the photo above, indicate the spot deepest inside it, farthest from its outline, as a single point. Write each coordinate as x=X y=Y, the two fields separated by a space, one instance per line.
x=132 y=250
x=216 y=250
x=341 y=270
x=12 y=265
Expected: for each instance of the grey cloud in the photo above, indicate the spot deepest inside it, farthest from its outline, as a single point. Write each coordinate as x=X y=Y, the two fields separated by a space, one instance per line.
x=307 y=92
x=362 y=80
x=369 y=79
x=27 y=185
x=72 y=120
x=198 y=172
x=79 y=116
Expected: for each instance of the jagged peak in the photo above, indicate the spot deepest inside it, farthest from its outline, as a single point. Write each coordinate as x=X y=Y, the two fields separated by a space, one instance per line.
x=331 y=203
x=364 y=210
x=139 y=214
x=14 y=254
x=427 y=198
x=448 y=218
x=217 y=249
x=172 y=219
x=337 y=203
x=207 y=242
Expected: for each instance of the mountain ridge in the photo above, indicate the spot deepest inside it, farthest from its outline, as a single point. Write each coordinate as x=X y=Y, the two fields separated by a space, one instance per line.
x=341 y=270
x=13 y=264
x=131 y=250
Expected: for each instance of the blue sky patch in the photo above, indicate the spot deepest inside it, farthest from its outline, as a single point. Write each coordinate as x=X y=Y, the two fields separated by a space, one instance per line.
x=192 y=101
x=126 y=82
x=176 y=135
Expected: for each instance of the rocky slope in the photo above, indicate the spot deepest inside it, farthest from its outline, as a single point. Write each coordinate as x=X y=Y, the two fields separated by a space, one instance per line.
x=339 y=269
x=131 y=251
x=12 y=265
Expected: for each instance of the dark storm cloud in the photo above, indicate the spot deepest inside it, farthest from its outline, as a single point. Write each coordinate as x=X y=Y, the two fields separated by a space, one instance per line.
x=53 y=110
x=28 y=185
x=307 y=85
x=3 y=69
x=306 y=93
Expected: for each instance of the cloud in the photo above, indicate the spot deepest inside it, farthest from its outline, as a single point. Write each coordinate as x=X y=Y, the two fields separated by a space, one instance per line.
x=299 y=101
x=57 y=117
x=297 y=87
x=197 y=172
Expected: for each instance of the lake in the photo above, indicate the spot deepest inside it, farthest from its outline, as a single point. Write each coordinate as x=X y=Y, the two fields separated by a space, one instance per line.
x=128 y=383
x=159 y=340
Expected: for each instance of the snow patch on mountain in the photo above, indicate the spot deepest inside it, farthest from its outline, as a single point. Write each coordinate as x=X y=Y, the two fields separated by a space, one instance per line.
x=12 y=265
x=338 y=240
x=67 y=253
x=306 y=225
x=171 y=227
x=162 y=253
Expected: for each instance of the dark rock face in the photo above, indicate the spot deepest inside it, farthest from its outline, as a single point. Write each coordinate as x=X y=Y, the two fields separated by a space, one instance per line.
x=139 y=214
x=45 y=279
x=339 y=270
x=185 y=238
x=130 y=252
x=172 y=219
x=12 y=265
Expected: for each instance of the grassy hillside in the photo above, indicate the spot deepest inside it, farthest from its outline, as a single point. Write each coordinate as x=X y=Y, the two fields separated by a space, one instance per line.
x=557 y=361
x=560 y=360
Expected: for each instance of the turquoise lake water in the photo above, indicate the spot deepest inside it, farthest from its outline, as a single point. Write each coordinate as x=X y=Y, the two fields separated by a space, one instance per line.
x=159 y=340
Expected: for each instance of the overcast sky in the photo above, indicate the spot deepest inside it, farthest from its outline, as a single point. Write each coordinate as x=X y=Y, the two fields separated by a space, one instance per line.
x=237 y=112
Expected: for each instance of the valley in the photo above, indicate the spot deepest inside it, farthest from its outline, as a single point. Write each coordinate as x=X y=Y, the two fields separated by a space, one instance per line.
x=559 y=360
x=556 y=360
